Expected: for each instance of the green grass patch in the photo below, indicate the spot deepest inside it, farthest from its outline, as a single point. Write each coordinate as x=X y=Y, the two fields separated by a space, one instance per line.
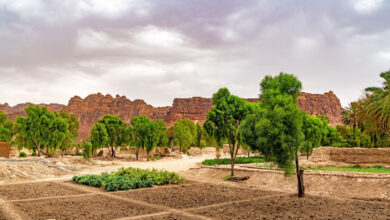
x=129 y=178
x=352 y=169
x=239 y=160
x=355 y=168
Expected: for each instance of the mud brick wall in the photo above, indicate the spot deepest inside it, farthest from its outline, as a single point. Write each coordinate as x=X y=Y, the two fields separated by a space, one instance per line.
x=351 y=155
x=5 y=148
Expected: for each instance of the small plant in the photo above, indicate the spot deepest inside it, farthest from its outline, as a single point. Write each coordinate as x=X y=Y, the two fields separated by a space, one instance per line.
x=154 y=158
x=357 y=166
x=130 y=157
x=34 y=154
x=22 y=154
x=227 y=178
x=378 y=166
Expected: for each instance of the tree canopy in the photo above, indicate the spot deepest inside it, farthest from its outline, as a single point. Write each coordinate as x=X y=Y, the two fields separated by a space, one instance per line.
x=224 y=119
x=6 y=128
x=184 y=134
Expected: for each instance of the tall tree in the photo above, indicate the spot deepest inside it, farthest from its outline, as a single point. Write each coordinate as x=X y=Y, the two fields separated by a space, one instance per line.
x=278 y=123
x=378 y=104
x=116 y=131
x=98 y=137
x=184 y=134
x=6 y=128
x=199 y=135
x=72 y=133
x=313 y=131
x=224 y=120
x=42 y=129
x=140 y=132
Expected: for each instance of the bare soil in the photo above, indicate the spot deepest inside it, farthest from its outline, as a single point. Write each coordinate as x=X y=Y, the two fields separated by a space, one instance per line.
x=36 y=190
x=86 y=207
x=193 y=195
x=292 y=207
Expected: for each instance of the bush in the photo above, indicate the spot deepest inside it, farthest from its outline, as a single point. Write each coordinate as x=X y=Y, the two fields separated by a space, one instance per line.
x=89 y=180
x=239 y=160
x=378 y=166
x=87 y=147
x=129 y=178
x=154 y=158
x=22 y=154
x=34 y=154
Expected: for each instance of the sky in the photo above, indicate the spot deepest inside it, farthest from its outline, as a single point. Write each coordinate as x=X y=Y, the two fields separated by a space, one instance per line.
x=158 y=50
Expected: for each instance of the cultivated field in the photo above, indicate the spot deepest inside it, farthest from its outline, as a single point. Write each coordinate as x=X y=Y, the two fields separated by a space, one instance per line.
x=192 y=200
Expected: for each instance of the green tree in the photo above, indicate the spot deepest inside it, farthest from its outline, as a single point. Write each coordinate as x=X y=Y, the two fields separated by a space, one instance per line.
x=116 y=131
x=42 y=129
x=184 y=134
x=224 y=119
x=70 y=139
x=6 y=128
x=98 y=137
x=199 y=135
x=147 y=134
x=162 y=134
x=87 y=149
x=278 y=123
x=313 y=131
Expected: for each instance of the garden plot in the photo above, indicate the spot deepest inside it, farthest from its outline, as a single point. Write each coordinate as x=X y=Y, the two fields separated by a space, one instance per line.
x=36 y=190
x=193 y=195
x=81 y=207
x=292 y=207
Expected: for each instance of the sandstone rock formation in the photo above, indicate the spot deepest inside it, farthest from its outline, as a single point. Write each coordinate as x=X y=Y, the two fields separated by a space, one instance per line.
x=91 y=108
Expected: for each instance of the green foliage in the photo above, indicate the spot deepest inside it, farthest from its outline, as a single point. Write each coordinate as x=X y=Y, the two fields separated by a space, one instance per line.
x=99 y=137
x=239 y=160
x=224 y=119
x=378 y=166
x=159 y=177
x=184 y=133
x=199 y=136
x=116 y=131
x=353 y=169
x=89 y=180
x=34 y=154
x=313 y=130
x=148 y=134
x=6 y=128
x=129 y=178
x=227 y=178
x=22 y=154
x=154 y=158
x=42 y=129
x=353 y=137
x=87 y=149
x=72 y=132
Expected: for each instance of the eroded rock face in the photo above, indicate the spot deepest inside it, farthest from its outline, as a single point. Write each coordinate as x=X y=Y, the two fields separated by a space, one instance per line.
x=93 y=107
x=322 y=104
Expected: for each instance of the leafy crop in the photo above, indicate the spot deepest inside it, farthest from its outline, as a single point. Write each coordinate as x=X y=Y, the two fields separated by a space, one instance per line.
x=239 y=160
x=22 y=154
x=129 y=178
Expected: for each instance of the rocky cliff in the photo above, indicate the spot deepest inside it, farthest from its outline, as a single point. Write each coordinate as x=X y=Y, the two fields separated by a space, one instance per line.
x=91 y=108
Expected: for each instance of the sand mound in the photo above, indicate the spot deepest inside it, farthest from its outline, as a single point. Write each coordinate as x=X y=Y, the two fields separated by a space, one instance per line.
x=18 y=169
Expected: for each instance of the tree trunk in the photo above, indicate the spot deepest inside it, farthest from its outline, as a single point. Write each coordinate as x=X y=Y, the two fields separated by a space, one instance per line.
x=218 y=161
x=232 y=166
x=180 y=148
x=112 y=152
x=307 y=155
x=249 y=152
x=136 y=153
x=301 y=187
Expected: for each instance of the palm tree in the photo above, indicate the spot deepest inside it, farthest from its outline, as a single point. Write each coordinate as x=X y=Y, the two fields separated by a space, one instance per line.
x=378 y=105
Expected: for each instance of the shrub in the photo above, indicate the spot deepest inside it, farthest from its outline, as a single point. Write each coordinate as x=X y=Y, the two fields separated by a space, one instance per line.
x=22 y=154
x=378 y=166
x=90 y=180
x=227 y=178
x=129 y=178
x=87 y=148
x=34 y=154
x=239 y=160
x=154 y=158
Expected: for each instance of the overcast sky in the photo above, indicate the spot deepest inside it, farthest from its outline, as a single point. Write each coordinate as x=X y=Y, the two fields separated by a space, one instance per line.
x=161 y=49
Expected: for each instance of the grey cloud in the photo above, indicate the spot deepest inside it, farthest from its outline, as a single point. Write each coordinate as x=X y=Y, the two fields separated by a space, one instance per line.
x=329 y=45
